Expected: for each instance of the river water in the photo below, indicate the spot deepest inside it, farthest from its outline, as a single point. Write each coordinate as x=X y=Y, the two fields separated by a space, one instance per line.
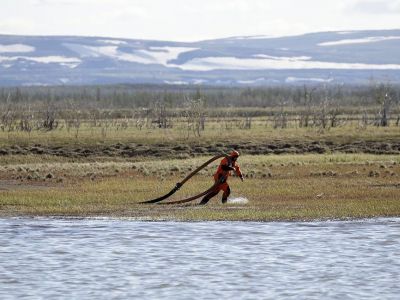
x=45 y=258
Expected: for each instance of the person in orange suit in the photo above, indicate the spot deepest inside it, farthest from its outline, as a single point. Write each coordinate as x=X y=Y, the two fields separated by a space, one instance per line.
x=227 y=165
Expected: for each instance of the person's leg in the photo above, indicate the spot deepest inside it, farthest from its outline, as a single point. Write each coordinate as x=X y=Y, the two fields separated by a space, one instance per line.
x=209 y=196
x=227 y=192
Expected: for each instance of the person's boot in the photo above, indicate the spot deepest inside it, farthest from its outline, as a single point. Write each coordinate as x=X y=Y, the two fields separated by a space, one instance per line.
x=226 y=195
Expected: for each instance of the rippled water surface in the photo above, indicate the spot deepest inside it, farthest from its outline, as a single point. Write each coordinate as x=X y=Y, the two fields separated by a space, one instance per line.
x=125 y=259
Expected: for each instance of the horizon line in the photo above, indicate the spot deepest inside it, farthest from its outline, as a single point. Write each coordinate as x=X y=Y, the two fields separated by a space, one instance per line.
x=201 y=40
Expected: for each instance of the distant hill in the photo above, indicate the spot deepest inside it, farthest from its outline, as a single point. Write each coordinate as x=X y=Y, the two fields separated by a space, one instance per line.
x=332 y=57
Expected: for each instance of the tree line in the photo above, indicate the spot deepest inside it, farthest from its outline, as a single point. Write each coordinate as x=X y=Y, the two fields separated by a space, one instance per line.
x=133 y=96
x=326 y=106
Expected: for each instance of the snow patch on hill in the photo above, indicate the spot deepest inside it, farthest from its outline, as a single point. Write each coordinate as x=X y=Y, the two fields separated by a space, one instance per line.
x=163 y=55
x=152 y=55
x=70 y=62
x=113 y=42
x=234 y=63
x=312 y=79
x=251 y=81
x=282 y=58
x=17 y=48
x=372 y=39
x=176 y=82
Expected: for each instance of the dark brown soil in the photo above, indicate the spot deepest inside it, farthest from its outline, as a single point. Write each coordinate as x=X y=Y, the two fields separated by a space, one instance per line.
x=196 y=149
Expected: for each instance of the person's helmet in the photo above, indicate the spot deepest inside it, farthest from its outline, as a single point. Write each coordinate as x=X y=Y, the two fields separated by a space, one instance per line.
x=235 y=154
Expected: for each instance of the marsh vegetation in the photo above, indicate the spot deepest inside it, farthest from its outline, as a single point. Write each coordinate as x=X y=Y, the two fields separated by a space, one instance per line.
x=308 y=152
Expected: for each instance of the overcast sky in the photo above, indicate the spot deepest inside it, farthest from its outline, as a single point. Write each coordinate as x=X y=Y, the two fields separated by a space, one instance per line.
x=191 y=20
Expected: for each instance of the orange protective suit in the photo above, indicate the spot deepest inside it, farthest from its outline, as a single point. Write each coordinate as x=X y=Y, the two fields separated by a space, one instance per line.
x=227 y=165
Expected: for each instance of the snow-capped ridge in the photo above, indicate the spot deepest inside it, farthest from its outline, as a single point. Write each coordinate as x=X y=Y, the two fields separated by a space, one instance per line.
x=324 y=57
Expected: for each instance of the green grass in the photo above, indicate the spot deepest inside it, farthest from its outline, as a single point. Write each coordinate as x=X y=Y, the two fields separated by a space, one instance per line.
x=279 y=187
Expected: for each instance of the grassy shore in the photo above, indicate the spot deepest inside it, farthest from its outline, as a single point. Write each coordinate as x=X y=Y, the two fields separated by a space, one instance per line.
x=278 y=187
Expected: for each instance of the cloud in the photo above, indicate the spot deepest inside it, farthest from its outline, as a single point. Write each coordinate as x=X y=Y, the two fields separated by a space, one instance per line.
x=191 y=20
x=81 y=2
x=16 y=25
x=376 y=7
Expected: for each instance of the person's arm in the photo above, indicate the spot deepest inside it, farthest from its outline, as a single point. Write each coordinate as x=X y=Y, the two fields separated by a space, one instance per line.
x=238 y=172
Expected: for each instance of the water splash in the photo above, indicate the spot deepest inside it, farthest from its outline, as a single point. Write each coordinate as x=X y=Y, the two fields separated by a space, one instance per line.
x=238 y=200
